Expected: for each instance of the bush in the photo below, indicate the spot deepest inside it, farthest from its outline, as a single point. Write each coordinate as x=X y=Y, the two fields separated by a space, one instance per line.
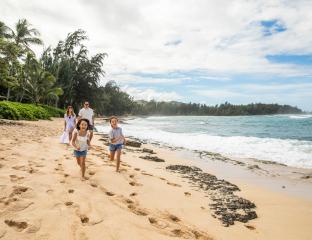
x=19 y=111
x=53 y=111
x=8 y=111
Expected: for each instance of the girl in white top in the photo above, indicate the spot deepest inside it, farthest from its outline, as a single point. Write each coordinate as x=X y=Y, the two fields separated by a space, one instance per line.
x=81 y=143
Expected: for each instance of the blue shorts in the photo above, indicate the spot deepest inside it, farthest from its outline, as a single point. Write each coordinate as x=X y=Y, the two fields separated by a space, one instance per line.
x=80 y=153
x=114 y=147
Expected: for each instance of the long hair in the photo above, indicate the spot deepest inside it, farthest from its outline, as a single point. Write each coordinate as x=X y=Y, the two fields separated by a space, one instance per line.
x=80 y=120
x=67 y=111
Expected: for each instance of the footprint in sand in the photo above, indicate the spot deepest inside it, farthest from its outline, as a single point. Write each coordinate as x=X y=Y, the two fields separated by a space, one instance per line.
x=133 y=194
x=181 y=233
x=147 y=174
x=128 y=201
x=131 y=176
x=109 y=193
x=21 y=168
x=94 y=185
x=187 y=194
x=18 y=226
x=137 y=169
x=174 y=184
x=49 y=191
x=8 y=201
x=31 y=170
x=157 y=223
x=91 y=173
x=17 y=190
x=84 y=219
x=71 y=190
x=250 y=227
x=173 y=218
x=14 y=178
x=69 y=203
x=135 y=184
x=136 y=210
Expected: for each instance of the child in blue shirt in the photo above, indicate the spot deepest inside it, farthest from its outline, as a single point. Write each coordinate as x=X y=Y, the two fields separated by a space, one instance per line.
x=117 y=139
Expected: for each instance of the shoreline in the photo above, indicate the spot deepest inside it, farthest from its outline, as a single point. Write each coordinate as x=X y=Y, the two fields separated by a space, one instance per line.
x=267 y=148
x=41 y=191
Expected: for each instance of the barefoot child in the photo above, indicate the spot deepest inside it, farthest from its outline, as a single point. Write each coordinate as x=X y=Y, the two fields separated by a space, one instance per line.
x=81 y=143
x=117 y=139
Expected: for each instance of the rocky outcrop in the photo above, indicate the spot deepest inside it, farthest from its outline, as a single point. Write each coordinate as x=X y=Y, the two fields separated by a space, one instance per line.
x=227 y=206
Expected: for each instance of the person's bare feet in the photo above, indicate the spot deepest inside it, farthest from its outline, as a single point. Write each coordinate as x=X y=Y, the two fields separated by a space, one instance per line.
x=84 y=178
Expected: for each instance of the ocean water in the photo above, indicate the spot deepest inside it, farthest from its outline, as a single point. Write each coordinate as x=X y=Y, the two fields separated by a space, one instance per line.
x=285 y=139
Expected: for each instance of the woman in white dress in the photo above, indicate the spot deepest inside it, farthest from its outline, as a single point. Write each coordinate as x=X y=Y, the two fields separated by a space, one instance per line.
x=69 y=124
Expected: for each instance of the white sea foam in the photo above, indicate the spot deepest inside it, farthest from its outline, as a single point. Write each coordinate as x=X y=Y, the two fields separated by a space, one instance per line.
x=300 y=116
x=291 y=152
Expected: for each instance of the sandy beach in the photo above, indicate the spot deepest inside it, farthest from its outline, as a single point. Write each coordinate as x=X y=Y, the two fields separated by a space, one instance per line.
x=168 y=195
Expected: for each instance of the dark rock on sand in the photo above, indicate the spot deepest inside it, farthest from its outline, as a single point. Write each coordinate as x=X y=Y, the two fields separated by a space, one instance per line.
x=152 y=158
x=253 y=167
x=226 y=206
x=146 y=150
x=133 y=143
x=307 y=176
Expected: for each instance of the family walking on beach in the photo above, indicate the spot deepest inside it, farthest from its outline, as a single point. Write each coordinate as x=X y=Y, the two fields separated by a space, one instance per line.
x=78 y=131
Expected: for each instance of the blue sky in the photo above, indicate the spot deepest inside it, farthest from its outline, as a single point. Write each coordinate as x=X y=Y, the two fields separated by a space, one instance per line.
x=192 y=51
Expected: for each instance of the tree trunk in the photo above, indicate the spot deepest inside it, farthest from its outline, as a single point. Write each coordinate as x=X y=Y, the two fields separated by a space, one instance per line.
x=22 y=96
x=8 y=94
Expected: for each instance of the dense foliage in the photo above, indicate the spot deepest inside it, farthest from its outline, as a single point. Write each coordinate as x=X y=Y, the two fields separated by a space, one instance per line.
x=19 y=111
x=226 y=109
x=67 y=75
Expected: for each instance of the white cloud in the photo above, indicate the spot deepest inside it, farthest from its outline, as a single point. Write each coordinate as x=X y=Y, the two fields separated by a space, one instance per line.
x=223 y=36
x=132 y=78
x=217 y=93
x=151 y=94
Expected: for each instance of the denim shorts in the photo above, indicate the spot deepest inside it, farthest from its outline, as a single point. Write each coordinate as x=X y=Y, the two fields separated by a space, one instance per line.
x=80 y=153
x=114 y=147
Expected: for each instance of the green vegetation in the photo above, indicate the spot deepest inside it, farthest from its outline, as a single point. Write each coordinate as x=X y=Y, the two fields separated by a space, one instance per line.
x=23 y=111
x=226 y=109
x=67 y=75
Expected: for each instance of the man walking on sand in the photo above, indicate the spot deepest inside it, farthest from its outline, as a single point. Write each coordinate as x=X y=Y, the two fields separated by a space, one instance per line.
x=87 y=113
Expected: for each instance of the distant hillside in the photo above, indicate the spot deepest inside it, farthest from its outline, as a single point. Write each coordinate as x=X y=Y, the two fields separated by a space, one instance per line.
x=225 y=109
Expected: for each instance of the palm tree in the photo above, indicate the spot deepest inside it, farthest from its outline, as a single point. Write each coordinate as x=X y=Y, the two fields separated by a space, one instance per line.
x=8 y=60
x=4 y=30
x=39 y=85
x=24 y=35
